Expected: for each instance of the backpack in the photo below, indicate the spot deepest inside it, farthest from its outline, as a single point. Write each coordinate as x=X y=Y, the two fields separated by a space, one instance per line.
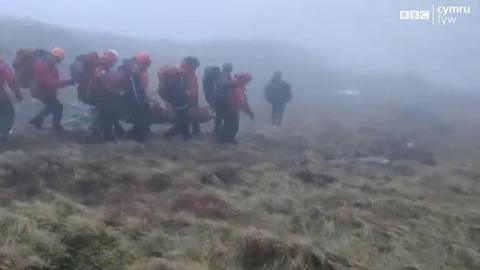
x=224 y=89
x=82 y=70
x=23 y=65
x=170 y=80
x=210 y=83
x=84 y=66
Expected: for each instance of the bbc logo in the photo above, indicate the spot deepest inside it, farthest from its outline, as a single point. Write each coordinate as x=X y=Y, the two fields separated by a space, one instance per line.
x=414 y=15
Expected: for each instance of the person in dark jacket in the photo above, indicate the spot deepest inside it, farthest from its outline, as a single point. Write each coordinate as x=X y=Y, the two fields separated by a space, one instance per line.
x=278 y=93
x=46 y=83
x=237 y=101
x=211 y=76
x=7 y=112
x=185 y=99
x=224 y=87
x=141 y=109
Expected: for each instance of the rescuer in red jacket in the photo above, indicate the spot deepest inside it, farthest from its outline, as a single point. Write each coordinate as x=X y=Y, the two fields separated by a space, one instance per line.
x=127 y=97
x=46 y=83
x=189 y=67
x=184 y=100
x=7 y=112
x=237 y=101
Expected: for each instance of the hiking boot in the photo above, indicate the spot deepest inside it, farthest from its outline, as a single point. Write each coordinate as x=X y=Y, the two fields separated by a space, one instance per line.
x=4 y=138
x=37 y=123
x=109 y=137
x=119 y=131
x=229 y=141
x=95 y=129
x=58 y=128
x=196 y=130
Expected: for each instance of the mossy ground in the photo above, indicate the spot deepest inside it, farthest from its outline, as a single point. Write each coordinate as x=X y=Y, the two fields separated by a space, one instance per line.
x=201 y=205
x=290 y=198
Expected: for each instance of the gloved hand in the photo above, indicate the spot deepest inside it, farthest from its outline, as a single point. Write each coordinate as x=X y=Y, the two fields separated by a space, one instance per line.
x=251 y=114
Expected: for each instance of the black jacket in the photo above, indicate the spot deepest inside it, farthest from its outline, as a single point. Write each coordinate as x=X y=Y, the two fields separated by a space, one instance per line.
x=278 y=92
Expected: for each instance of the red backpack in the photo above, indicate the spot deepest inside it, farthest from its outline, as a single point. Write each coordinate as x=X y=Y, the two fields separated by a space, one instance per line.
x=84 y=66
x=170 y=79
x=23 y=65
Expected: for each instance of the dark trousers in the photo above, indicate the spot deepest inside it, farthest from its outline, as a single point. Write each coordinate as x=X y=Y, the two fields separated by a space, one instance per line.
x=107 y=127
x=7 y=116
x=54 y=107
x=278 y=110
x=196 y=128
x=141 y=122
x=108 y=107
x=230 y=127
x=218 y=123
x=107 y=122
x=82 y=93
x=219 y=118
x=194 y=124
x=181 y=125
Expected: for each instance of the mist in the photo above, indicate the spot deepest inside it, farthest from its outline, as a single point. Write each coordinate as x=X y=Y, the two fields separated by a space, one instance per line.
x=355 y=36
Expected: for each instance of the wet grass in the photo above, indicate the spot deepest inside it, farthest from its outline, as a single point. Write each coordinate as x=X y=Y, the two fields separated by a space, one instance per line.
x=127 y=206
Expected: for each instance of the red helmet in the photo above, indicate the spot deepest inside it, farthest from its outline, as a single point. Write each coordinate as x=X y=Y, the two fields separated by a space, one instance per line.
x=111 y=57
x=143 y=59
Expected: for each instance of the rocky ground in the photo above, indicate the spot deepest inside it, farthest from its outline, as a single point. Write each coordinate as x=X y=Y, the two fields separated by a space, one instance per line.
x=327 y=192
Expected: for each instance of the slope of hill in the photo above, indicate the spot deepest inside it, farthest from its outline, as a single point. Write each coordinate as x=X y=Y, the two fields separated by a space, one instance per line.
x=260 y=57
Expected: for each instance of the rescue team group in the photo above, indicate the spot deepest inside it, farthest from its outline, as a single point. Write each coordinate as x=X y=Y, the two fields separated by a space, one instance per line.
x=121 y=94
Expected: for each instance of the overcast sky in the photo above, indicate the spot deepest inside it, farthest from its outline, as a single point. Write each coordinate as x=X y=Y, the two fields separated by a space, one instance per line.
x=356 y=33
x=194 y=19
x=211 y=19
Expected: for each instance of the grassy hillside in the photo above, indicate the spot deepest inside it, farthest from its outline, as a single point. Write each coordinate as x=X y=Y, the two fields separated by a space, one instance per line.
x=386 y=180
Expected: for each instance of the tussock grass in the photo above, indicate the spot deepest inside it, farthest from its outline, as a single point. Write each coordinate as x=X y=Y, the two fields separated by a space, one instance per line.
x=295 y=199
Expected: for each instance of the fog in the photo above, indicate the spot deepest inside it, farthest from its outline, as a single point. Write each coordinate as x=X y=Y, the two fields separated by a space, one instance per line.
x=359 y=36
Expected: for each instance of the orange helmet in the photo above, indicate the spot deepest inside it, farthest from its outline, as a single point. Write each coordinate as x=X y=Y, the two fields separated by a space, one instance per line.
x=58 y=53
x=143 y=59
x=111 y=56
